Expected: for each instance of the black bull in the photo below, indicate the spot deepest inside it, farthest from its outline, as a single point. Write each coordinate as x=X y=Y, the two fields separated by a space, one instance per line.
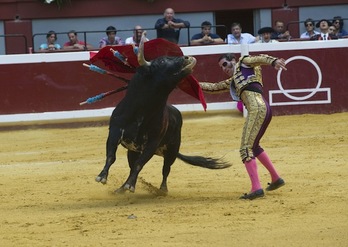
x=144 y=124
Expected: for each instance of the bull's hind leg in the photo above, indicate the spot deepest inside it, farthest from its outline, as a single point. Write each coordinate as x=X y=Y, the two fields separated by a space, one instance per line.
x=111 y=148
x=169 y=159
x=132 y=157
x=138 y=164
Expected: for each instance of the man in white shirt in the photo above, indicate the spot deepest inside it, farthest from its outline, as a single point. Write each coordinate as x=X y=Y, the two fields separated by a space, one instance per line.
x=237 y=37
x=135 y=39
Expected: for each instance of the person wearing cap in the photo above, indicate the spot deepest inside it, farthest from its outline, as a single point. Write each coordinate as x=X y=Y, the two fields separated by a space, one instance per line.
x=205 y=37
x=338 y=23
x=324 y=34
x=246 y=84
x=266 y=33
x=309 y=25
x=111 y=38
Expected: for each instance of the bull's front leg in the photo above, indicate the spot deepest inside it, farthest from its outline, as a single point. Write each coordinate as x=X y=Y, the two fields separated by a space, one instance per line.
x=112 y=143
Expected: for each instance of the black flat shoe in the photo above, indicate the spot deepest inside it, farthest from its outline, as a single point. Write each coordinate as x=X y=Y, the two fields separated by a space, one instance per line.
x=275 y=185
x=253 y=195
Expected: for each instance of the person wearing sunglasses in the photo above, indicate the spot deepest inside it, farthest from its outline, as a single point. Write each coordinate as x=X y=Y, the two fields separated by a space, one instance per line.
x=245 y=83
x=338 y=23
x=309 y=25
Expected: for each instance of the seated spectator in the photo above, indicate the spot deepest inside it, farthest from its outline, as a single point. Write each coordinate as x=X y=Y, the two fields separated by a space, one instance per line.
x=111 y=38
x=74 y=43
x=279 y=31
x=338 y=23
x=324 y=31
x=333 y=30
x=169 y=27
x=266 y=33
x=51 y=44
x=309 y=25
x=135 y=39
x=205 y=37
x=237 y=37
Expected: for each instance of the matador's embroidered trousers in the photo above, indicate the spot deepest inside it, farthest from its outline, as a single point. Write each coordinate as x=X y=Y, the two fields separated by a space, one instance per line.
x=257 y=121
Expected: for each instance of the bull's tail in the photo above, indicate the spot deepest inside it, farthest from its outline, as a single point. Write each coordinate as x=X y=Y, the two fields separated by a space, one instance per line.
x=206 y=162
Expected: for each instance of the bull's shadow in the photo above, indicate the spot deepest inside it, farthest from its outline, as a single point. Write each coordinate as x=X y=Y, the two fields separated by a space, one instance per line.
x=146 y=125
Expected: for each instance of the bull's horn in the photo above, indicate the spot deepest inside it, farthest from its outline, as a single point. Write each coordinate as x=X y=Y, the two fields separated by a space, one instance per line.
x=141 y=58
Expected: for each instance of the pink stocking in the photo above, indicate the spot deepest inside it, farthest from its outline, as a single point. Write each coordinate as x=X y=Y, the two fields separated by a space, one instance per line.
x=266 y=162
x=251 y=168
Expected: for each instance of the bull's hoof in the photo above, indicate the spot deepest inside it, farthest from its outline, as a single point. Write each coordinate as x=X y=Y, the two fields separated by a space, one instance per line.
x=101 y=180
x=129 y=187
x=162 y=192
x=124 y=188
x=164 y=189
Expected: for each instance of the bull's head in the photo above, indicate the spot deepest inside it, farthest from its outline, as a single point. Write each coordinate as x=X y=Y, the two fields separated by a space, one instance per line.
x=172 y=68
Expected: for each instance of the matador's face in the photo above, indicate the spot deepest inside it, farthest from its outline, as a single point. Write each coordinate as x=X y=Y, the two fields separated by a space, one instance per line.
x=227 y=66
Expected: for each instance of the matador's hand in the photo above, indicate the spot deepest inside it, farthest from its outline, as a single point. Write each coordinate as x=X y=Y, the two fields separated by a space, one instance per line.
x=279 y=64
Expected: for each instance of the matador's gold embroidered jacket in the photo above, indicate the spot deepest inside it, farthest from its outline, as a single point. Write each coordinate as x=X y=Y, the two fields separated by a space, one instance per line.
x=241 y=78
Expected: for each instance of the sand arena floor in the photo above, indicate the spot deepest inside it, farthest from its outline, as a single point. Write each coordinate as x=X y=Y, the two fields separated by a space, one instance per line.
x=49 y=196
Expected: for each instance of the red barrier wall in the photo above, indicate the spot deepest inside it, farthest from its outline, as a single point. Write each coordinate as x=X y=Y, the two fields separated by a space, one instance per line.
x=59 y=82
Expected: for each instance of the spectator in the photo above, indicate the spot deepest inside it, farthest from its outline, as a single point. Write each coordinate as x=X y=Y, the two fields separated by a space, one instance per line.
x=111 y=38
x=309 y=25
x=266 y=33
x=237 y=37
x=338 y=23
x=169 y=27
x=74 y=43
x=280 y=32
x=324 y=31
x=205 y=37
x=135 y=39
x=51 y=44
x=333 y=30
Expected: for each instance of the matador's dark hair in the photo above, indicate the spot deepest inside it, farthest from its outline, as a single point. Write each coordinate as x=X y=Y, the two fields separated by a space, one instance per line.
x=227 y=56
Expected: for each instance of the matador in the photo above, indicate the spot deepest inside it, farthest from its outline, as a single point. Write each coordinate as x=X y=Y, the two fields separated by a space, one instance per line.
x=245 y=83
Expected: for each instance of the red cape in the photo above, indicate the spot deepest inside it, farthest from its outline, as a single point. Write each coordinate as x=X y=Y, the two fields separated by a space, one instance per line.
x=127 y=62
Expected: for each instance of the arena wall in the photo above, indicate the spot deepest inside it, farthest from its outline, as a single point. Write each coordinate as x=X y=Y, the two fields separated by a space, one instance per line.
x=51 y=85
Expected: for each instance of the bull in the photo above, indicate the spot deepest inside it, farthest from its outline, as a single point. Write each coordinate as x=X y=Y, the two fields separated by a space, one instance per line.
x=146 y=125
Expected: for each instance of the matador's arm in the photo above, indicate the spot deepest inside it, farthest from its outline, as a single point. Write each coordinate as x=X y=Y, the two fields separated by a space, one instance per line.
x=218 y=87
x=258 y=60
